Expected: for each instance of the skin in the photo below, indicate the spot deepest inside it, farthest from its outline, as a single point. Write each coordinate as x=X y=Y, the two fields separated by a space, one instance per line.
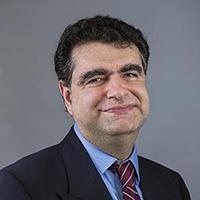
x=108 y=97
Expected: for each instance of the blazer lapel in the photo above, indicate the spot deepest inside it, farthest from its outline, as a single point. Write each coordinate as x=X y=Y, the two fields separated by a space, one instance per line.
x=84 y=180
x=151 y=187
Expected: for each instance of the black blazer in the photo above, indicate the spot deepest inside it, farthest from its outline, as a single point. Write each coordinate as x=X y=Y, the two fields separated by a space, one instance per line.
x=66 y=172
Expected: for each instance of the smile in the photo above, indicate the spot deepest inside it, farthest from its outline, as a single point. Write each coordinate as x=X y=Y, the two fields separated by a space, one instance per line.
x=119 y=109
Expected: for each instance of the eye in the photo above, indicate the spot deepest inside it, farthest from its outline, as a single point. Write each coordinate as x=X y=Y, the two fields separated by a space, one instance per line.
x=95 y=81
x=131 y=75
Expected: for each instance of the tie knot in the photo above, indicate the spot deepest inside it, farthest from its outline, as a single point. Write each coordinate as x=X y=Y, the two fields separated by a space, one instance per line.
x=125 y=172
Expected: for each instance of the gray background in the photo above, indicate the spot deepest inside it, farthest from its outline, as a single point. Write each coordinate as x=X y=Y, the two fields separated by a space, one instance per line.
x=32 y=115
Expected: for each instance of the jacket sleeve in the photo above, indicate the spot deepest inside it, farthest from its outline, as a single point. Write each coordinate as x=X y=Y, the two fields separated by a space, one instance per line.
x=11 y=188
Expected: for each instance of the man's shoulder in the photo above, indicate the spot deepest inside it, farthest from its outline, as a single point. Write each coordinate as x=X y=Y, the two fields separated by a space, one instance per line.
x=155 y=175
x=153 y=166
x=159 y=173
x=35 y=161
x=41 y=169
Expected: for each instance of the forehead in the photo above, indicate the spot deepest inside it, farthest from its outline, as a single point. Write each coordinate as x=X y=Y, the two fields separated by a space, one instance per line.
x=95 y=54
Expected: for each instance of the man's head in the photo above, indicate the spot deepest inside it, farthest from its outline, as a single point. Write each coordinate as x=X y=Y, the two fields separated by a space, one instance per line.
x=102 y=29
x=101 y=64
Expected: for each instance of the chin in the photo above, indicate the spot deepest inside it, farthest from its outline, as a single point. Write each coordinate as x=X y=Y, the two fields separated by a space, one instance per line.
x=122 y=130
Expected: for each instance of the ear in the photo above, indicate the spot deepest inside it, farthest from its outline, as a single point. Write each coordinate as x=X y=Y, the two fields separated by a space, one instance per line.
x=66 y=94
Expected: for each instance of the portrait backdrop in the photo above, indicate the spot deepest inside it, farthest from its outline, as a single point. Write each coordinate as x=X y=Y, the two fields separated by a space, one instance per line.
x=32 y=114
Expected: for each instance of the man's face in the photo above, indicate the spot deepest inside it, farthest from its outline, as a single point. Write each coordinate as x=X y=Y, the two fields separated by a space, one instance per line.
x=108 y=94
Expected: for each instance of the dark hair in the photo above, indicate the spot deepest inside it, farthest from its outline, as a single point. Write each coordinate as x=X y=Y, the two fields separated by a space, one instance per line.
x=103 y=29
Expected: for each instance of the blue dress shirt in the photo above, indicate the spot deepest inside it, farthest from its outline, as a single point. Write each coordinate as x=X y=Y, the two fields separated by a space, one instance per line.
x=103 y=161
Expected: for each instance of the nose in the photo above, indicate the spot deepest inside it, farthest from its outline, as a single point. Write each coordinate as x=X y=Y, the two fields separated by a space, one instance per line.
x=116 y=88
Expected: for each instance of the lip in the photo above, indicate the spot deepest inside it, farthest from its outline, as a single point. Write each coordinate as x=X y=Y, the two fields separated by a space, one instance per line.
x=118 y=109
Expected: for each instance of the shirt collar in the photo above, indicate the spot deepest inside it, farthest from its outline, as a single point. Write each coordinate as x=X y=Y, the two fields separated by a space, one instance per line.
x=101 y=159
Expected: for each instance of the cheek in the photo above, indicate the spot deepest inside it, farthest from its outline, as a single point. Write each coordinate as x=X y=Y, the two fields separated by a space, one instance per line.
x=142 y=92
x=145 y=99
x=86 y=100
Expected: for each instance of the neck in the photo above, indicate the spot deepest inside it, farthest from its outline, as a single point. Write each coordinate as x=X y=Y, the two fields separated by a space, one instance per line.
x=121 y=151
x=119 y=146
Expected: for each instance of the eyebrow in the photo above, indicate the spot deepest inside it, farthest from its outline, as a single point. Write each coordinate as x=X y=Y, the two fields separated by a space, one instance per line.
x=131 y=67
x=102 y=72
x=89 y=74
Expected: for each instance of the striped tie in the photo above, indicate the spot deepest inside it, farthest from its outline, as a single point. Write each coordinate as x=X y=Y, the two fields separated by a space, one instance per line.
x=126 y=174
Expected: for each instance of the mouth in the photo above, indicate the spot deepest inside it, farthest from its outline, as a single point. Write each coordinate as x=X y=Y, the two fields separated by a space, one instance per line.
x=119 y=109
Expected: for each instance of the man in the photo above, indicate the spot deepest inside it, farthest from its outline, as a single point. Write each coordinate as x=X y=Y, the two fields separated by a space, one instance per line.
x=101 y=64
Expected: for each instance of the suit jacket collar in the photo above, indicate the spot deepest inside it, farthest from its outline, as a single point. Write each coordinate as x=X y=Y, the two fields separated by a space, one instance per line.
x=85 y=183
